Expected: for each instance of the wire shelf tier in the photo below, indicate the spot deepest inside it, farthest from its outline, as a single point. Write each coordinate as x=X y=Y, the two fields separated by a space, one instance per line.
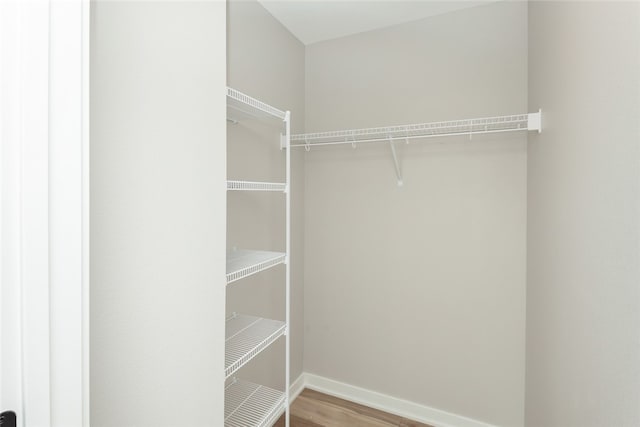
x=241 y=106
x=242 y=263
x=516 y=122
x=246 y=337
x=251 y=405
x=256 y=186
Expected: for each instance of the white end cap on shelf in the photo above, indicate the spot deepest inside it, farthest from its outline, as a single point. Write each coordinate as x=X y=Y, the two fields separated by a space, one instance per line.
x=534 y=121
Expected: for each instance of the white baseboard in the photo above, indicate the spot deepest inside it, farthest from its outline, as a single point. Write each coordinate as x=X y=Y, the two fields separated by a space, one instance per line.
x=296 y=387
x=383 y=402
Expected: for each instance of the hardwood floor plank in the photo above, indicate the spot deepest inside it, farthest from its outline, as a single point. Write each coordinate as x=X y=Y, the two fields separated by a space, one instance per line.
x=410 y=423
x=351 y=406
x=296 y=422
x=314 y=409
x=333 y=415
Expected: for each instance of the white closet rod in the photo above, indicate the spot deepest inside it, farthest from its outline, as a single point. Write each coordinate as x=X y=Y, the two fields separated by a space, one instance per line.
x=513 y=123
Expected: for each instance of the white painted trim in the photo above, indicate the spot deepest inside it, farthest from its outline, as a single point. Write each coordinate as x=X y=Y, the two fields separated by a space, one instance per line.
x=10 y=308
x=11 y=392
x=86 y=160
x=296 y=387
x=66 y=198
x=43 y=199
x=34 y=211
x=390 y=404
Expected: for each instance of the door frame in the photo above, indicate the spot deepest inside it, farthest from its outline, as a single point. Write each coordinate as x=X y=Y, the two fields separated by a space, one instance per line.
x=44 y=211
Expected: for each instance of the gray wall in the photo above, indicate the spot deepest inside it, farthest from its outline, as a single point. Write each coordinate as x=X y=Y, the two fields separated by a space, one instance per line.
x=157 y=213
x=583 y=298
x=419 y=292
x=266 y=62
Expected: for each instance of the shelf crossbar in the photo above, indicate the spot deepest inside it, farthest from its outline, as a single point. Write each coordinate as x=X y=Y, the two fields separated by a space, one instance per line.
x=516 y=122
x=248 y=404
x=246 y=337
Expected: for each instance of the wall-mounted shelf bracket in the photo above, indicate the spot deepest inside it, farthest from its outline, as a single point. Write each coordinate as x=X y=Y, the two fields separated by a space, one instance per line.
x=534 y=121
x=395 y=162
x=284 y=136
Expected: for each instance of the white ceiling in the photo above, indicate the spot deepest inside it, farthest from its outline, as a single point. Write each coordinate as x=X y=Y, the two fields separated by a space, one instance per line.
x=312 y=21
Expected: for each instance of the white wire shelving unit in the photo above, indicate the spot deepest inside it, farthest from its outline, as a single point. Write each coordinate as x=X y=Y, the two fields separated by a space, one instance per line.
x=247 y=404
x=252 y=404
x=391 y=134
x=246 y=337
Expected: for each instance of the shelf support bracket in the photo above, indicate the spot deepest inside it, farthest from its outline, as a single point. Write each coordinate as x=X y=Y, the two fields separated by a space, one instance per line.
x=395 y=162
x=534 y=121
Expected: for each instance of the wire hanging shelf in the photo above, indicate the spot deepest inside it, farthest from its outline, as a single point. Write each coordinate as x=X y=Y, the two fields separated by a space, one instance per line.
x=246 y=337
x=256 y=186
x=516 y=122
x=241 y=106
x=242 y=263
x=254 y=405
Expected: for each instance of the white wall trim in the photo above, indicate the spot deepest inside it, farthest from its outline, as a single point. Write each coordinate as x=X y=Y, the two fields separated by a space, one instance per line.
x=33 y=197
x=86 y=32
x=11 y=355
x=67 y=198
x=383 y=402
x=296 y=387
x=41 y=203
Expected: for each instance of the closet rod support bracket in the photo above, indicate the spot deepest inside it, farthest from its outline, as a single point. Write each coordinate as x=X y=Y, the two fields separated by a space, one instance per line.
x=395 y=161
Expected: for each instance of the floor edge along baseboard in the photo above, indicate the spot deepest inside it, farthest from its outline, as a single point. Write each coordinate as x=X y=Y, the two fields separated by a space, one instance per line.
x=382 y=402
x=296 y=387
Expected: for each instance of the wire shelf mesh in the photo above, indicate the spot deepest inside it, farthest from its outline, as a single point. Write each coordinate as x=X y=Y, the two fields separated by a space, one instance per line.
x=242 y=263
x=247 y=336
x=252 y=405
x=252 y=107
x=255 y=186
x=423 y=130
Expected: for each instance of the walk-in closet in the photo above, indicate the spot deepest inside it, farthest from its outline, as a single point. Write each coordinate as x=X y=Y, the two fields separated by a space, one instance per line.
x=425 y=213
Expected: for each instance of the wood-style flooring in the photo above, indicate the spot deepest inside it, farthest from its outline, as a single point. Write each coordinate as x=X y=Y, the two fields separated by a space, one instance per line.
x=314 y=409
